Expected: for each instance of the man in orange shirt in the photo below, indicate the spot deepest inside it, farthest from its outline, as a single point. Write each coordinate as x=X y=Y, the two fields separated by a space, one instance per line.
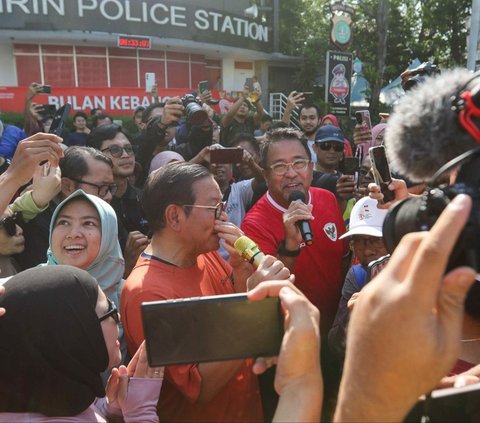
x=184 y=207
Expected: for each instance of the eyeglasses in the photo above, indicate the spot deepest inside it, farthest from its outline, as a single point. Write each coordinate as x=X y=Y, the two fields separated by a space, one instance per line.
x=281 y=169
x=327 y=145
x=117 y=151
x=112 y=311
x=10 y=223
x=373 y=242
x=102 y=190
x=219 y=208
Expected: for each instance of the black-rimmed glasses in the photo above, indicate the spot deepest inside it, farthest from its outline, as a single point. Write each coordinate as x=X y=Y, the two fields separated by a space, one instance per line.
x=117 y=150
x=219 y=208
x=10 y=223
x=112 y=311
x=102 y=190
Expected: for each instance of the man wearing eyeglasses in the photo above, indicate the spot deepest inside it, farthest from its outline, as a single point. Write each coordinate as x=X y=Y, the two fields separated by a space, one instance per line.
x=115 y=143
x=272 y=223
x=183 y=204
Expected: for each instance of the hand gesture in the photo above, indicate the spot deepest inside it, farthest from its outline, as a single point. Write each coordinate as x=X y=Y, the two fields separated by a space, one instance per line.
x=270 y=269
x=295 y=99
x=345 y=188
x=297 y=210
x=172 y=112
x=362 y=134
x=398 y=186
x=46 y=184
x=31 y=152
x=405 y=329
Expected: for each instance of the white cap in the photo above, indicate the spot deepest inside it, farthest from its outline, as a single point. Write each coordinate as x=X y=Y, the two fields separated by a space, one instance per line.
x=366 y=218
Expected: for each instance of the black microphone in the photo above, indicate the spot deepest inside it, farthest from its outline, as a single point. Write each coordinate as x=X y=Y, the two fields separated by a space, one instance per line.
x=303 y=225
x=424 y=131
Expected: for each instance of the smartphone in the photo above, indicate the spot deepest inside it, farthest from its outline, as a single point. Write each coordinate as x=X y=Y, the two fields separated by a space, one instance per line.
x=203 y=86
x=49 y=109
x=214 y=328
x=363 y=116
x=149 y=81
x=351 y=166
x=448 y=405
x=249 y=84
x=45 y=89
x=307 y=98
x=59 y=119
x=381 y=171
x=226 y=155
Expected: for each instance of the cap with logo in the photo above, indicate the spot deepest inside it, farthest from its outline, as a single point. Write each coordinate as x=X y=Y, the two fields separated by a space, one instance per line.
x=329 y=133
x=366 y=219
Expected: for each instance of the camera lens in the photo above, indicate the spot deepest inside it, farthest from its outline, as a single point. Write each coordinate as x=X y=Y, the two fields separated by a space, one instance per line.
x=195 y=114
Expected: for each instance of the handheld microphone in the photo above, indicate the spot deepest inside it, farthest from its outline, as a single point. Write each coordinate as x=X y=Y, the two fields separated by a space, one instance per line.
x=432 y=124
x=249 y=250
x=303 y=225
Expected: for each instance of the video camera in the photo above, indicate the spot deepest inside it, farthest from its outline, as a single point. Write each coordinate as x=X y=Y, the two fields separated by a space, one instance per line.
x=417 y=75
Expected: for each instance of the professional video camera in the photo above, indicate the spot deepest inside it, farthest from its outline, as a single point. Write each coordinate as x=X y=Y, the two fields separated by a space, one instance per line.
x=194 y=113
x=417 y=75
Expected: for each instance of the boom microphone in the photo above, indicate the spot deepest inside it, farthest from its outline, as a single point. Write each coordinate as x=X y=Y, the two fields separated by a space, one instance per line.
x=432 y=124
x=303 y=225
x=249 y=250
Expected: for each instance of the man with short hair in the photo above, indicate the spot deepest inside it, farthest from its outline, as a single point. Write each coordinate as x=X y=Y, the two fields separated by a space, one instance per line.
x=272 y=222
x=81 y=167
x=238 y=120
x=80 y=133
x=114 y=142
x=183 y=204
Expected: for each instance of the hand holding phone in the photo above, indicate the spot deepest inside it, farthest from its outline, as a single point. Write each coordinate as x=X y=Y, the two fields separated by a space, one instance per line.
x=59 y=120
x=381 y=171
x=226 y=155
x=363 y=130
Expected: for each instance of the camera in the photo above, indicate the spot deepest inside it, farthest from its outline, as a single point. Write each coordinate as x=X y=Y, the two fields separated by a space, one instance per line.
x=194 y=113
x=417 y=75
x=420 y=214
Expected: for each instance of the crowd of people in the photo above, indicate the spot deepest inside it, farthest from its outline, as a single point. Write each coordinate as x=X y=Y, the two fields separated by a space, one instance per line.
x=102 y=220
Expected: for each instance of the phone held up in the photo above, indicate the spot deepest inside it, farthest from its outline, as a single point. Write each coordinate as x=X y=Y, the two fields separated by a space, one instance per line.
x=381 y=171
x=59 y=120
x=226 y=155
x=45 y=89
x=216 y=328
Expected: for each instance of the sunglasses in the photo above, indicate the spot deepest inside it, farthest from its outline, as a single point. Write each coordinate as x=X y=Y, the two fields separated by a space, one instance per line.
x=117 y=151
x=112 y=311
x=328 y=145
x=10 y=223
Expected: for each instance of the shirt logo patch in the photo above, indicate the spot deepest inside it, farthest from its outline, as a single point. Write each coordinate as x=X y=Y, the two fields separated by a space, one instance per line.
x=331 y=231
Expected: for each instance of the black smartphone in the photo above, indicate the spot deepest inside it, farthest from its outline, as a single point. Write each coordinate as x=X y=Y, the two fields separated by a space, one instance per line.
x=351 y=166
x=381 y=171
x=59 y=119
x=448 y=405
x=307 y=98
x=45 y=89
x=215 y=328
x=226 y=155
x=49 y=109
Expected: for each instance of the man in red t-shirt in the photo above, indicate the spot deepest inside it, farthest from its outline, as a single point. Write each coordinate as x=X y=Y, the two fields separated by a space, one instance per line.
x=183 y=205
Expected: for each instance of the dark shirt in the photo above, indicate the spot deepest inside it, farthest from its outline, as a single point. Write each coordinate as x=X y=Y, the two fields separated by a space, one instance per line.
x=228 y=134
x=129 y=214
x=76 y=138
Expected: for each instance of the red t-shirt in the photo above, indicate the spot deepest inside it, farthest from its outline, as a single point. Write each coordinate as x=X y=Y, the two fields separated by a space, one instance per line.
x=318 y=268
x=153 y=280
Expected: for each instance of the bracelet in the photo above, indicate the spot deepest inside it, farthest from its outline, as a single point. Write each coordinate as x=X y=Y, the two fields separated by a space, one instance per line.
x=282 y=251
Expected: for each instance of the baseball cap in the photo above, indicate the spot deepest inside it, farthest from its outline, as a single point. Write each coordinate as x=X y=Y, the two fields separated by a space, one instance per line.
x=329 y=133
x=366 y=219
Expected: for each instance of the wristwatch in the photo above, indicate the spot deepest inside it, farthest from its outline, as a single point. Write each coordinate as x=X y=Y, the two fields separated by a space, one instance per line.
x=282 y=251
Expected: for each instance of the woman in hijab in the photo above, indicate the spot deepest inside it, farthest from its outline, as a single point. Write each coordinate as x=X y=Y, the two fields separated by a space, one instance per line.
x=84 y=234
x=58 y=334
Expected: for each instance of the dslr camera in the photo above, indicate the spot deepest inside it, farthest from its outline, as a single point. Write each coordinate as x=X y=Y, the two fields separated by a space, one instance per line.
x=420 y=214
x=194 y=112
x=418 y=75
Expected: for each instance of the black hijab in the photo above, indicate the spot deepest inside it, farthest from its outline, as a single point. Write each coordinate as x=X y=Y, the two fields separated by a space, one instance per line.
x=52 y=348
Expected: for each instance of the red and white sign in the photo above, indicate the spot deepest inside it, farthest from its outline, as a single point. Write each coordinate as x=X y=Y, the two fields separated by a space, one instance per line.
x=113 y=101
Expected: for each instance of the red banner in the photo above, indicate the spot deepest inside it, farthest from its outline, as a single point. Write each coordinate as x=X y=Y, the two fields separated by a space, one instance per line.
x=113 y=101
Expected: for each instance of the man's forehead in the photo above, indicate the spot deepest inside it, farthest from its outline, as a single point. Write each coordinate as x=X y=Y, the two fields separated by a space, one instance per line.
x=207 y=189
x=286 y=149
x=309 y=111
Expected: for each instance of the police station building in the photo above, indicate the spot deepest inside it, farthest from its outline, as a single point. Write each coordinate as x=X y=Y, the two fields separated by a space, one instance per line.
x=95 y=53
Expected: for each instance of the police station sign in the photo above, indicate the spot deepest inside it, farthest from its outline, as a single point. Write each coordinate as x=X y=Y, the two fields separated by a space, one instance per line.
x=338 y=82
x=166 y=19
